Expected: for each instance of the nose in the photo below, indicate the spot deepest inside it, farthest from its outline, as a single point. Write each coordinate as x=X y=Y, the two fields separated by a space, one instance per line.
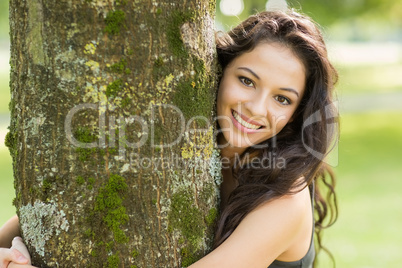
x=258 y=105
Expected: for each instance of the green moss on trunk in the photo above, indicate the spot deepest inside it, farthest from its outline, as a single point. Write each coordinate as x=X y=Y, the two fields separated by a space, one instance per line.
x=109 y=204
x=114 y=22
x=186 y=218
x=194 y=95
x=175 y=41
x=107 y=219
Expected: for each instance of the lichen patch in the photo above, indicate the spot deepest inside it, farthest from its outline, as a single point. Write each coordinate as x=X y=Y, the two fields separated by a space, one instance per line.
x=40 y=222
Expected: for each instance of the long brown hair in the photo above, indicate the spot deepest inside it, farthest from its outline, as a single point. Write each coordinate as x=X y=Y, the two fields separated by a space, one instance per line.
x=304 y=141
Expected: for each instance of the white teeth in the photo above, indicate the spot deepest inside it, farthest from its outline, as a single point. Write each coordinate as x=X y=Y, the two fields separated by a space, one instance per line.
x=244 y=123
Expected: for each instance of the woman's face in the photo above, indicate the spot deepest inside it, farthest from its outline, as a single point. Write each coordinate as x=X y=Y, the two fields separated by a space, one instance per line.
x=258 y=94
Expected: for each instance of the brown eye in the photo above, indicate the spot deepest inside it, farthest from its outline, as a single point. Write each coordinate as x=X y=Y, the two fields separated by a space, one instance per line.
x=283 y=100
x=247 y=82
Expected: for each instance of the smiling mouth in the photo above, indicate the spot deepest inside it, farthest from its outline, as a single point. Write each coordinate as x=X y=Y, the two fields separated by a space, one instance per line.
x=244 y=123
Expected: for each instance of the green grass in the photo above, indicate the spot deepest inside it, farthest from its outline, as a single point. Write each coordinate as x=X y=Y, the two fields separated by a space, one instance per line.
x=367 y=233
x=4 y=92
x=370 y=78
x=7 y=192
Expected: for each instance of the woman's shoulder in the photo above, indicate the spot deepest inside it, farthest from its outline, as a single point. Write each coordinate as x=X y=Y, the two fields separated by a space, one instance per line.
x=264 y=234
x=274 y=229
x=290 y=222
x=294 y=202
x=282 y=227
x=282 y=213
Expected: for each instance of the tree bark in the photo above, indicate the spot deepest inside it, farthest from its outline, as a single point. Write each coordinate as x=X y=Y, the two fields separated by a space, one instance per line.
x=111 y=131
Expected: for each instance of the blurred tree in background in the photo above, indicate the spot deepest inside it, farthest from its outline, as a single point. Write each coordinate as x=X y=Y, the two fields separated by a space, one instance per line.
x=348 y=19
x=353 y=20
x=327 y=12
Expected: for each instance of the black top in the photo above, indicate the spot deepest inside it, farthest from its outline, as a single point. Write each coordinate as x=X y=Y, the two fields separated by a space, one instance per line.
x=308 y=259
x=305 y=262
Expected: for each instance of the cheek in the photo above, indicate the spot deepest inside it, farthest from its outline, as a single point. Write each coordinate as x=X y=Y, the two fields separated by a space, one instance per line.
x=280 y=120
x=219 y=101
x=231 y=94
x=224 y=94
x=223 y=86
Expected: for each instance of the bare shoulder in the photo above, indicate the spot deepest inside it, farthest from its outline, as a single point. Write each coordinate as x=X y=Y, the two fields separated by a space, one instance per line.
x=283 y=215
x=288 y=222
x=288 y=205
x=264 y=234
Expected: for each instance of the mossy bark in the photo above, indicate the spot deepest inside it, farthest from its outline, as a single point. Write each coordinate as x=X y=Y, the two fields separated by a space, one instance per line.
x=111 y=131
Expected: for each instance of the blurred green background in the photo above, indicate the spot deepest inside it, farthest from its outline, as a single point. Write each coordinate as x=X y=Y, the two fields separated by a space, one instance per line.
x=364 y=39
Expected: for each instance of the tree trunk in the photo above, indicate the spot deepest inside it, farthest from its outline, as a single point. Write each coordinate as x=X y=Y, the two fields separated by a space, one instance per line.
x=111 y=131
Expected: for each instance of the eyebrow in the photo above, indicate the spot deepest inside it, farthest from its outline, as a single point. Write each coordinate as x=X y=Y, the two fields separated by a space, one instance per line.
x=250 y=71
x=288 y=89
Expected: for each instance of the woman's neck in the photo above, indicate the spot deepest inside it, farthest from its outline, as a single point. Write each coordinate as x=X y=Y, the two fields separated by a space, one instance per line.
x=228 y=152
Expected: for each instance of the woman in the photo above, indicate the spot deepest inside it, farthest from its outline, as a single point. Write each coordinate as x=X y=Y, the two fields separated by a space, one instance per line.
x=276 y=82
x=275 y=89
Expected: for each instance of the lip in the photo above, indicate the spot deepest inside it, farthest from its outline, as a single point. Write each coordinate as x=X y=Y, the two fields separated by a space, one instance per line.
x=241 y=127
x=248 y=120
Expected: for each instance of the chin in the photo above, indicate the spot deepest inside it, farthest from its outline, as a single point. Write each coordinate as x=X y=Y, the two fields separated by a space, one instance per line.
x=241 y=143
